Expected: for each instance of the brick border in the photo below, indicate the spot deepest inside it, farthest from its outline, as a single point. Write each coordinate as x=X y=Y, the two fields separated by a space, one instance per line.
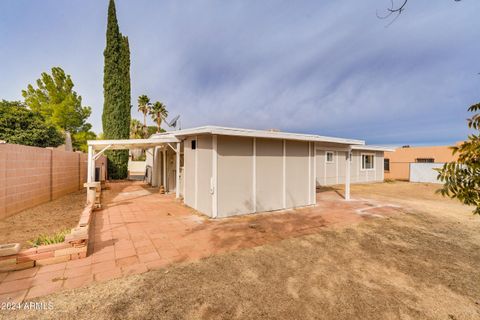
x=74 y=247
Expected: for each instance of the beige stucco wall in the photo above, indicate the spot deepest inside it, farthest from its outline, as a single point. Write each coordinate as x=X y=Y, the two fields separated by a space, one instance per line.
x=235 y=175
x=189 y=173
x=269 y=174
x=297 y=174
x=204 y=174
x=334 y=172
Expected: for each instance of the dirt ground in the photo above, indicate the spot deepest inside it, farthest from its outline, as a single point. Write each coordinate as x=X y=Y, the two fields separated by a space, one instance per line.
x=419 y=264
x=47 y=218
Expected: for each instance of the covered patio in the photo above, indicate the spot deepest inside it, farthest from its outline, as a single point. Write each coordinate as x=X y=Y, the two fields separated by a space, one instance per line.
x=161 y=144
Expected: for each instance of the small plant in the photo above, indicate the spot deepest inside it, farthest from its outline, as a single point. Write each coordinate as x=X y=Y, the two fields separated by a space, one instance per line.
x=44 y=239
x=389 y=181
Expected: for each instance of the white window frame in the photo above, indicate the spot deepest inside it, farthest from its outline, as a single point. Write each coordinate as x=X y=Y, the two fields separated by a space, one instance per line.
x=361 y=161
x=326 y=157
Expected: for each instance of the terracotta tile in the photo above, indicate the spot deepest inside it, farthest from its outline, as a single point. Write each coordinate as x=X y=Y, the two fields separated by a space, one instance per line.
x=27 y=273
x=142 y=243
x=47 y=277
x=128 y=261
x=146 y=250
x=96 y=258
x=16 y=296
x=72 y=283
x=108 y=275
x=16 y=285
x=168 y=253
x=157 y=264
x=43 y=290
x=78 y=271
x=148 y=257
x=125 y=253
x=103 y=266
x=134 y=269
x=52 y=267
x=3 y=275
x=79 y=263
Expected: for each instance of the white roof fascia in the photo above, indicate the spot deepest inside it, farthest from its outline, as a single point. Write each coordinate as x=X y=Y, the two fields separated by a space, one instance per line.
x=373 y=148
x=131 y=143
x=263 y=134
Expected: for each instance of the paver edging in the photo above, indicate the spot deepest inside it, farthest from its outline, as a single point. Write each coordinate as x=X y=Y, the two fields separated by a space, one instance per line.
x=75 y=245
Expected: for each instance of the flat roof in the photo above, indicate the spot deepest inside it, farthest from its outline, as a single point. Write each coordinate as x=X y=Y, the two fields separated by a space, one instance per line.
x=131 y=143
x=373 y=148
x=257 y=134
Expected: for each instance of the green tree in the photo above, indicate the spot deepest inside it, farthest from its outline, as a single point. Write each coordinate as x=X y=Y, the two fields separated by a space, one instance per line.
x=136 y=129
x=80 y=138
x=159 y=112
x=116 y=89
x=461 y=178
x=152 y=130
x=55 y=99
x=20 y=125
x=143 y=107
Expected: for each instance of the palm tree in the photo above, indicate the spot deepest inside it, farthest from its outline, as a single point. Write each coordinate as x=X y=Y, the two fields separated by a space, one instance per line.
x=159 y=112
x=136 y=129
x=143 y=106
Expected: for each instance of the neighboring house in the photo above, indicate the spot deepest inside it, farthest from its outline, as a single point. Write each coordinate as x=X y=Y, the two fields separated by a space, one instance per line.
x=223 y=172
x=397 y=163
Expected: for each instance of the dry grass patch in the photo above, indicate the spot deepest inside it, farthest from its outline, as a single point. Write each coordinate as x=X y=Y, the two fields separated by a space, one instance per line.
x=46 y=219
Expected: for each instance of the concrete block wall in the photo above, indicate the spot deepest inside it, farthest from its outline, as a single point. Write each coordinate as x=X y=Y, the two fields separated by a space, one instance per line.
x=26 y=177
x=30 y=176
x=65 y=173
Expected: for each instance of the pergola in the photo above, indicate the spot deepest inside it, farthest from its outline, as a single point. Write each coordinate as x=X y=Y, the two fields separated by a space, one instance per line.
x=98 y=147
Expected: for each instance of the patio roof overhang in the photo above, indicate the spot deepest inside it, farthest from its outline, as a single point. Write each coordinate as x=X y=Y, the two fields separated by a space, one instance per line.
x=97 y=147
x=131 y=143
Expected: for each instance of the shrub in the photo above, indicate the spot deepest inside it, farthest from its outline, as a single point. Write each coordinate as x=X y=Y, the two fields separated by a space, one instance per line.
x=44 y=239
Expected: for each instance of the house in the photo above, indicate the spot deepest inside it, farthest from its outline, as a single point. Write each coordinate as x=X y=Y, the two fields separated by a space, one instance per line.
x=398 y=162
x=223 y=171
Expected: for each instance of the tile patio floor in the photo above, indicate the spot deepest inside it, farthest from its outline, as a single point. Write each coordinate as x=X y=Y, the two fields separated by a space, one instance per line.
x=139 y=229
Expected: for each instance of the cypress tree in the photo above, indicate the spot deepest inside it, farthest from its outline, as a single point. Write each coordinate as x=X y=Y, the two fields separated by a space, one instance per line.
x=116 y=91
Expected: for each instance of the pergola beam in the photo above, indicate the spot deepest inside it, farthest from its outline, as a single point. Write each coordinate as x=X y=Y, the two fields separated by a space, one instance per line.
x=97 y=155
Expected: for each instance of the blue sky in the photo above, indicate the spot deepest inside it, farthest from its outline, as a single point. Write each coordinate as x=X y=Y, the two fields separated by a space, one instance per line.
x=325 y=67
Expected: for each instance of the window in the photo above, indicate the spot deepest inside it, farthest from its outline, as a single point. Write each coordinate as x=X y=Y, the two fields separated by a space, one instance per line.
x=425 y=160
x=386 y=164
x=329 y=156
x=368 y=161
x=194 y=144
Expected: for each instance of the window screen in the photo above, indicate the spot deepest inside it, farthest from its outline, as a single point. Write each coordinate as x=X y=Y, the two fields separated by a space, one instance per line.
x=367 y=161
x=194 y=144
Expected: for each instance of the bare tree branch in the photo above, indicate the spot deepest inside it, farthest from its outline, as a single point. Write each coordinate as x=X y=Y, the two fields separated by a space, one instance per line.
x=395 y=11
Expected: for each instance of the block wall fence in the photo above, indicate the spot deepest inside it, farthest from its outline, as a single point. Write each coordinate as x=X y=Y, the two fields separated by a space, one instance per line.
x=30 y=176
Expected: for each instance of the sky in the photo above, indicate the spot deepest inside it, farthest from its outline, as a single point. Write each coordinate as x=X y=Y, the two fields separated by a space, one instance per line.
x=323 y=67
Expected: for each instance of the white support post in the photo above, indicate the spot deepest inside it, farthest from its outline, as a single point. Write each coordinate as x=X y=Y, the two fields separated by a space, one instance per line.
x=309 y=172
x=164 y=169
x=214 y=177
x=177 y=172
x=196 y=172
x=284 y=176
x=347 y=174
x=254 y=171
x=89 y=164
x=93 y=166
x=314 y=173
